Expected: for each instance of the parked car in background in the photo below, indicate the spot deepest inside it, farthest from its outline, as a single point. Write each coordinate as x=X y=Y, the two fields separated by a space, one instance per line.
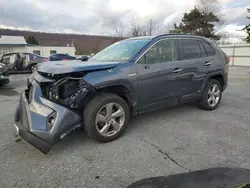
x=4 y=76
x=61 y=57
x=21 y=61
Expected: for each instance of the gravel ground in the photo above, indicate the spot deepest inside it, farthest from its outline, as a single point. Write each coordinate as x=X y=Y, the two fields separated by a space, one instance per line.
x=158 y=143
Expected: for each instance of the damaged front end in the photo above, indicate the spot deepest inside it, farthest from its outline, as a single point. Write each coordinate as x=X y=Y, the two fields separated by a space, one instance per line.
x=50 y=107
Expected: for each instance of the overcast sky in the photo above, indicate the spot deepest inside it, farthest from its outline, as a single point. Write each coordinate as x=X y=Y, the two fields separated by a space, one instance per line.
x=97 y=16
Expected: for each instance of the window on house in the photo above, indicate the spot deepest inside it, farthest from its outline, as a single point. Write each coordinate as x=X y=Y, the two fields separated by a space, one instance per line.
x=37 y=52
x=52 y=52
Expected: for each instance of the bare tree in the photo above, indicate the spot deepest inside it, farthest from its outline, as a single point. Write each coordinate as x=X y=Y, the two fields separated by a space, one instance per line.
x=146 y=29
x=136 y=29
x=118 y=28
x=169 y=26
x=208 y=6
x=150 y=27
x=213 y=6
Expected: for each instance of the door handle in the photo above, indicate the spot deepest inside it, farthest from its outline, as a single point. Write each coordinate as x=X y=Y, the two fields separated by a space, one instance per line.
x=176 y=70
x=207 y=63
x=147 y=67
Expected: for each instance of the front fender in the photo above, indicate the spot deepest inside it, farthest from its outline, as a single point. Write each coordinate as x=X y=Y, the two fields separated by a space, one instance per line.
x=117 y=76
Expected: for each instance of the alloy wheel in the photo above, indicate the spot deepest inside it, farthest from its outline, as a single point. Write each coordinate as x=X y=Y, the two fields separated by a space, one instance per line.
x=213 y=95
x=110 y=119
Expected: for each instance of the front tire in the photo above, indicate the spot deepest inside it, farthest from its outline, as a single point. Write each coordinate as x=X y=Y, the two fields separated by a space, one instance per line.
x=211 y=95
x=106 y=117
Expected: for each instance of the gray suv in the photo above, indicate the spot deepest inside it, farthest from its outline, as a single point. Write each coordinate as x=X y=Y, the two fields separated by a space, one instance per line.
x=129 y=77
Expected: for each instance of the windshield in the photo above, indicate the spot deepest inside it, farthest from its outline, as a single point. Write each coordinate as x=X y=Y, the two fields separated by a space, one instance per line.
x=120 y=51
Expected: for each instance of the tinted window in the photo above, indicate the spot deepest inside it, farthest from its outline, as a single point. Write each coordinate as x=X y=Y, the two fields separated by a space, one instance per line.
x=203 y=53
x=60 y=55
x=66 y=56
x=190 y=49
x=33 y=56
x=209 y=50
x=161 y=52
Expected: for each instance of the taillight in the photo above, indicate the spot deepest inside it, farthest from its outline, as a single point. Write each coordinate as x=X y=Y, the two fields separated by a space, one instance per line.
x=227 y=58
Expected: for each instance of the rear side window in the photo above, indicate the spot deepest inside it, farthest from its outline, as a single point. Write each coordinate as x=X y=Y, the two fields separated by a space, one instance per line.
x=209 y=50
x=203 y=52
x=190 y=49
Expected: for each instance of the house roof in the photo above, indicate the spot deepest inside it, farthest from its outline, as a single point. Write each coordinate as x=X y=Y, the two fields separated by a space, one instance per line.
x=12 y=41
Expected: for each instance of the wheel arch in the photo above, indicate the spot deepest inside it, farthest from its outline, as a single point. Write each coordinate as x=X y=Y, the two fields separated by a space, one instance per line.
x=217 y=76
x=123 y=90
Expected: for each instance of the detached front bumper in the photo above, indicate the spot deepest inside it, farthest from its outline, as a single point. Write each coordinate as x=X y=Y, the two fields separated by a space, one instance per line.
x=4 y=78
x=33 y=119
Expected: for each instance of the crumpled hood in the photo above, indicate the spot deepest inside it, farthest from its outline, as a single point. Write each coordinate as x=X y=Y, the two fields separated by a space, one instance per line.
x=60 y=67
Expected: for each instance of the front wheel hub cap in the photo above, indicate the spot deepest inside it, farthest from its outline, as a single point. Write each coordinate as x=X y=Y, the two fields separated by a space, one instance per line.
x=110 y=119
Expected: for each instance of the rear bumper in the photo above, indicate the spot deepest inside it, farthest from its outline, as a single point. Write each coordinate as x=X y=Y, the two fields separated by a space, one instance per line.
x=32 y=115
x=225 y=81
x=225 y=86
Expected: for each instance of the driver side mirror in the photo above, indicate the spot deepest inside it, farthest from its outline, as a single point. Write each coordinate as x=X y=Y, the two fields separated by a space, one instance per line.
x=84 y=58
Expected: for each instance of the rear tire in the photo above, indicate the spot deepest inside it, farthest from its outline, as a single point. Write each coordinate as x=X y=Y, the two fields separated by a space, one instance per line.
x=106 y=117
x=211 y=96
x=33 y=67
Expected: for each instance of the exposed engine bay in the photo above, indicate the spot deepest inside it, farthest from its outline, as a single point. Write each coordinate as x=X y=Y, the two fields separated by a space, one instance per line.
x=67 y=90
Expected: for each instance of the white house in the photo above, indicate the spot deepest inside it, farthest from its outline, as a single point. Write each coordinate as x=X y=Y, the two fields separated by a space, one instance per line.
x=18 y=44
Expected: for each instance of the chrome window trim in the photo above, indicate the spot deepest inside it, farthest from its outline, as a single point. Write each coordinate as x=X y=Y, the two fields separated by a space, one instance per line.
x=174 y=38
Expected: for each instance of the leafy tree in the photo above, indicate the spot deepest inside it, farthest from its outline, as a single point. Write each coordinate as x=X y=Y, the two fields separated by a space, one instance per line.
x=247 y=28
x=32 y=40
x=198 y=22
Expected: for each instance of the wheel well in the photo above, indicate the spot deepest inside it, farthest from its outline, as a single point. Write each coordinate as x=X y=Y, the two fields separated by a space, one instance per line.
x=121 y=91
x=219 y=78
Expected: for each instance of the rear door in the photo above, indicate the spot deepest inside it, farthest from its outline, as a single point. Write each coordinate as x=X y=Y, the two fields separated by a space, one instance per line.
x=193 y=65
x=212 y=59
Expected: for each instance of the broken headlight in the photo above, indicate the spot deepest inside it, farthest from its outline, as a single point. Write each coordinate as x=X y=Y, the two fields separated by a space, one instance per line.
x=69 y=91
